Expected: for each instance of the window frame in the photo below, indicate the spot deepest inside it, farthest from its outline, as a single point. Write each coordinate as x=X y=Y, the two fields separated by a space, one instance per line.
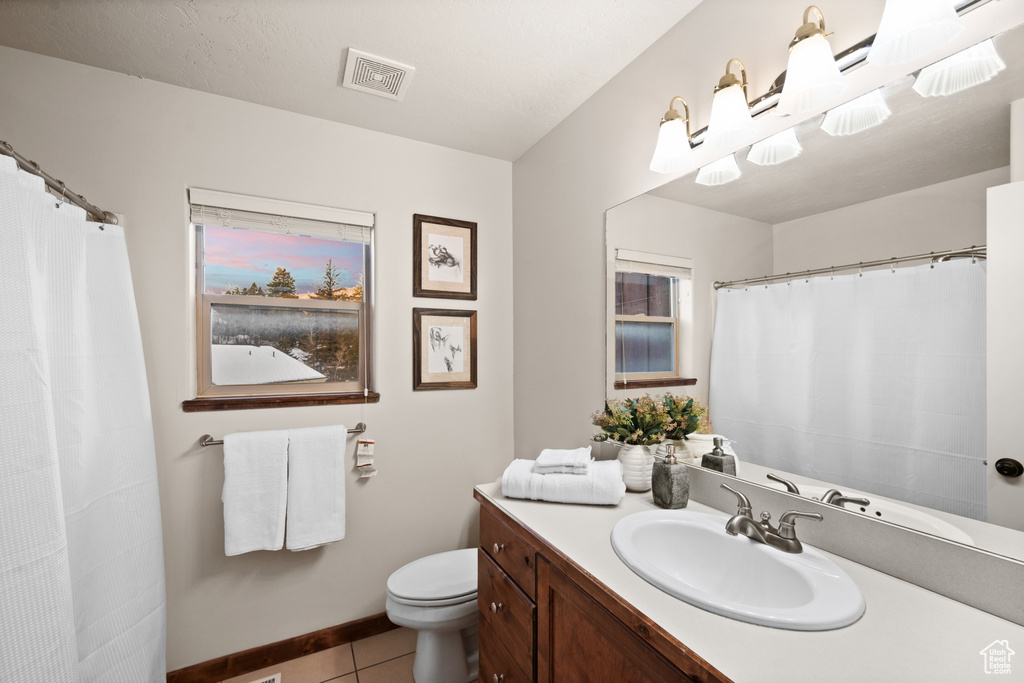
x=225 y=397
x=682 y=322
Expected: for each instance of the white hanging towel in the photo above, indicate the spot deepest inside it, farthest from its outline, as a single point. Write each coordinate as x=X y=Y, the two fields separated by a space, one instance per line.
x=316 y=486
x=255 y=489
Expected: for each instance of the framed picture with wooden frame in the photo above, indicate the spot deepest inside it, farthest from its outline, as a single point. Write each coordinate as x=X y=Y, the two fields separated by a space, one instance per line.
x=443 y=258
x=443 y=349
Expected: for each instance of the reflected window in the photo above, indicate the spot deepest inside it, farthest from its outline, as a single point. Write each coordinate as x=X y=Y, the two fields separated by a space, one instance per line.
x=653 y=314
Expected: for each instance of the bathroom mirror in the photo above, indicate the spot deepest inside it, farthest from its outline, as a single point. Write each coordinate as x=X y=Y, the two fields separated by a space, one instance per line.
x=933 y=156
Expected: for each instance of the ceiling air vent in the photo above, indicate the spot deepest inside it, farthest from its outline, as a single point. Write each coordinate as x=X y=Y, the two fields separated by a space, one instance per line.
x=376 y=75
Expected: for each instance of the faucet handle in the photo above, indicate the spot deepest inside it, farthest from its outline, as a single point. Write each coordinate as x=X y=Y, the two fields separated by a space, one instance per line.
x=742 y=501
x=790 y=486
x=787 y=520
x=841 y=501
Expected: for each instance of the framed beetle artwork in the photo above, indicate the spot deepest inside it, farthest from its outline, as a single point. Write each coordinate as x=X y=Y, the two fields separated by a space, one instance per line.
x=444 y=258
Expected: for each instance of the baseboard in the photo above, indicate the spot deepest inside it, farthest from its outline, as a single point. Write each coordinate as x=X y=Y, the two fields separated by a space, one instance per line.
x=257 y=658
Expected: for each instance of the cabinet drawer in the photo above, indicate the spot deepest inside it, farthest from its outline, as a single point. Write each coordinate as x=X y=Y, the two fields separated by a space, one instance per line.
x=496 y=664
x=506 y=609
x=510 y=552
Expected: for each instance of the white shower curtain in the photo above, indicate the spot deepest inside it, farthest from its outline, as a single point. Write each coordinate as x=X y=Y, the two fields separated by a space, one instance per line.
x=81 y=554
x=872 y=381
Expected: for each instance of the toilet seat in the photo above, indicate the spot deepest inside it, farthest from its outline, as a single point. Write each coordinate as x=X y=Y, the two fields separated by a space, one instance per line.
x=436 y=581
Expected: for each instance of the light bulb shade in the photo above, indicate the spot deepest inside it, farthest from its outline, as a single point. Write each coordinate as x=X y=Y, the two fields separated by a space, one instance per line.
x=977 y=64
x=913 y=28
x=776 y=149
x=719 y=172
x=856 y=115
x=673 y=150
x=730 y=121
x=812 y=78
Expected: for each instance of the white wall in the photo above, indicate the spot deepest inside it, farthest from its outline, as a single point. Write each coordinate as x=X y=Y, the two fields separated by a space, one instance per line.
x=948 y=215
x=723 y=247
x=134 y=146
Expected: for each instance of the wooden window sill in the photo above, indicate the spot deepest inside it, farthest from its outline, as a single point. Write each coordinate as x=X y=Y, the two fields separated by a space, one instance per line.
x=656 y=383
x=199 y=405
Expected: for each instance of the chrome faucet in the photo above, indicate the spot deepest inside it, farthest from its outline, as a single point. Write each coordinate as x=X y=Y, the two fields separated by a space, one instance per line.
x=835 y=497
x=782 y=538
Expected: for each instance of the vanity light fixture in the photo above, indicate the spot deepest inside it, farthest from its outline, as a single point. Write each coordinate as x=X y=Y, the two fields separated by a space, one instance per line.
x=776 y=149
x=673 y=149
x=812 y=76
x=730 y=120
x=849 y=118
x=913 y=28
x=719 y=172
x=973 y=66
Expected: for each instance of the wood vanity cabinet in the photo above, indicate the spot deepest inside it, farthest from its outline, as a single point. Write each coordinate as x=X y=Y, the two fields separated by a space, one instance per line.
x=544 y=619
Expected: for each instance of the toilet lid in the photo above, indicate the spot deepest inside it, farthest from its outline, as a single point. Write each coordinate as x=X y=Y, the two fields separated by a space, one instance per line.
x=436 y=577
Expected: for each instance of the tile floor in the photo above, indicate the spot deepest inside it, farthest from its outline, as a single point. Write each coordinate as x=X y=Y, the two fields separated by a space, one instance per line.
x=384 y=658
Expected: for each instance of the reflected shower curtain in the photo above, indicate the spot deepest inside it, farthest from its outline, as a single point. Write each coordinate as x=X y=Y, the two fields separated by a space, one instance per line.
x=872 y=381
x=81 y=555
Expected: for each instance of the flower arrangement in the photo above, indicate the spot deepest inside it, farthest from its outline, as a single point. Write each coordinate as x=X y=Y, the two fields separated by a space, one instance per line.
x=686 y=416
x=639 y=421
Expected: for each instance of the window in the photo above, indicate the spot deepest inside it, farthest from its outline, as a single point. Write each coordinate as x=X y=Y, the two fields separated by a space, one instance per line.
x=653 y=319
x=282 y=299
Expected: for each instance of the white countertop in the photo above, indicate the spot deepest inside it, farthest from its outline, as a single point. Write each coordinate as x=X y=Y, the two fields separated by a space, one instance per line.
x=907 y=633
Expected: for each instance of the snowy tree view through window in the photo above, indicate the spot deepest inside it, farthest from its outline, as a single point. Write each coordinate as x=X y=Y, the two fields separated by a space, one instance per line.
x=282 y=308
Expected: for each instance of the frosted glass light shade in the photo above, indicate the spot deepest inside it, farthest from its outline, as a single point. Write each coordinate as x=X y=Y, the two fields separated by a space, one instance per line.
x=719 y=172
x=977 y=64
x=776 y=149
x=812 y=78
x=673 y=149
x=867 y=111
x=913 y=28
x=730 y=121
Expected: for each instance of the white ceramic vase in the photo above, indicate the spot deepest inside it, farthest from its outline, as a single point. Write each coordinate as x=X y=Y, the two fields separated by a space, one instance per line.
x=637 y=463
x=700 y=444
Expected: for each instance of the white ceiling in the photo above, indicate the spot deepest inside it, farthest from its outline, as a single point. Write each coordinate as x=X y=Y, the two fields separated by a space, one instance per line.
x=492 y=76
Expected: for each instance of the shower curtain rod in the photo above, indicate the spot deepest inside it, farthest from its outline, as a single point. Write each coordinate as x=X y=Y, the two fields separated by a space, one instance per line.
x=95 y=212
x=895 y=261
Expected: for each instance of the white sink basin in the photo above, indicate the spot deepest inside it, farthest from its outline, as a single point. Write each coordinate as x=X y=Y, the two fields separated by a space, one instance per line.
x=895 y=513
x=689 y=555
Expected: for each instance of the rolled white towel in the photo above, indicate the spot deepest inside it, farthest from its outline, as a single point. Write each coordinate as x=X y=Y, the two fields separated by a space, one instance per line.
x=601 y=485
x=563 y=461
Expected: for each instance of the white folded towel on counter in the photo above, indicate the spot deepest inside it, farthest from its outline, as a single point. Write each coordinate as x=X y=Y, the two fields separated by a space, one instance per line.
x=563 y=461
x=255 y=489
x=316 y=486
x=601 y=485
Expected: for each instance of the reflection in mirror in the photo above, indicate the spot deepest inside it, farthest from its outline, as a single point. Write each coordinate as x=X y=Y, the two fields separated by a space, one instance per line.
x=914 y=184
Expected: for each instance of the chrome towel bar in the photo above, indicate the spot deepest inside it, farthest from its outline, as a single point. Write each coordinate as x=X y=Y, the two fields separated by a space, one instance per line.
x=207 y=440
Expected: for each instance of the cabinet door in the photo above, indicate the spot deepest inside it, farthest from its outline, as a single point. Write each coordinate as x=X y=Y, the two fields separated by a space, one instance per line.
x=579 y=641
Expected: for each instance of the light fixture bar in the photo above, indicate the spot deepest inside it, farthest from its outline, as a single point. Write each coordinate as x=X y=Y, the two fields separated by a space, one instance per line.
x=850 y=58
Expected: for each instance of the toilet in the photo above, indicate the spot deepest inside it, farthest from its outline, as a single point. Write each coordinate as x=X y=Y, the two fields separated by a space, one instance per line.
x=436 y=595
